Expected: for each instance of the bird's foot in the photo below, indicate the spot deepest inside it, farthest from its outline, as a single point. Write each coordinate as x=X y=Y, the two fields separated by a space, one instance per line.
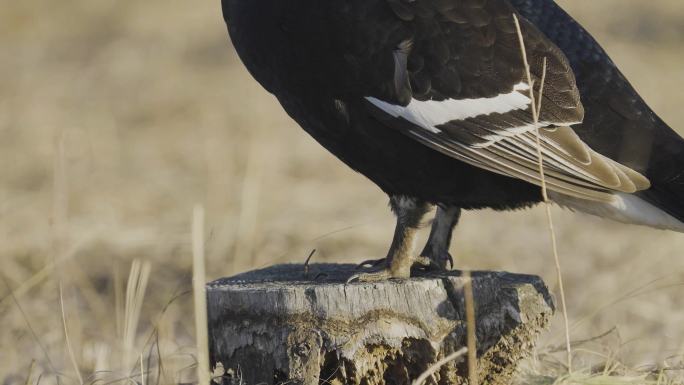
x=383 y=269
x=419 y=262
x=426 y=264
x=438 y=260
x=380 y=271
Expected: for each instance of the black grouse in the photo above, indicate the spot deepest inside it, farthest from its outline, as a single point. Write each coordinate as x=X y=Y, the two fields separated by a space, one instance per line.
x=430 y=100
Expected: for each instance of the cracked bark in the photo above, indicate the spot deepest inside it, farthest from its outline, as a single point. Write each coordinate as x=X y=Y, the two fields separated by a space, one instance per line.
x=279 y=325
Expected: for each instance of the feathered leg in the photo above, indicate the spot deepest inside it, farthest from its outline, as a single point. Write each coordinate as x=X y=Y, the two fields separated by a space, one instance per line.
x=400 y=258
x=437 y=247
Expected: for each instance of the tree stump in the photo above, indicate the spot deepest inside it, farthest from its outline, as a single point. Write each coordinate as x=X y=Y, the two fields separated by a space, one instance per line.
x=290 y=325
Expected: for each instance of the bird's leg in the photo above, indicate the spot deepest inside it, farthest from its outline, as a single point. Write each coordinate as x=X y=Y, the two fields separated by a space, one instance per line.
x=436 y=251
x=400 y=258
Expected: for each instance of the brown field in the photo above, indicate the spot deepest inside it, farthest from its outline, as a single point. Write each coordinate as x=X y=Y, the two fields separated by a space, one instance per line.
x=117 y=117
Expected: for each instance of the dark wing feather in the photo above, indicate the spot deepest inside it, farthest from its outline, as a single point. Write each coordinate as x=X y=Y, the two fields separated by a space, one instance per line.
x=619 y=123
x=458 y=85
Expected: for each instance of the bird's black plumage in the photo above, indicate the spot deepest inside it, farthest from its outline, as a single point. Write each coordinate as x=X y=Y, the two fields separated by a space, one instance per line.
x=430 y=100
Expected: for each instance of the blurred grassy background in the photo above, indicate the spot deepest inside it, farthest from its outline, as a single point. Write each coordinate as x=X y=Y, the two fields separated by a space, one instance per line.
x=116 y=117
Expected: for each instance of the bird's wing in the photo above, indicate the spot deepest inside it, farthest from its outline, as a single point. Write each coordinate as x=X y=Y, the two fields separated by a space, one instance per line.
x=458 y=85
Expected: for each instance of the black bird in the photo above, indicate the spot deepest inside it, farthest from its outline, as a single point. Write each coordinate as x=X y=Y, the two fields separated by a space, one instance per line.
x=430 y=100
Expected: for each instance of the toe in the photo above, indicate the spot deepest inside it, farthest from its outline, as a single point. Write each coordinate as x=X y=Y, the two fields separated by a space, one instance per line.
x=451 y=260
x=375 y=276
x=425 y=262
x=434 y=263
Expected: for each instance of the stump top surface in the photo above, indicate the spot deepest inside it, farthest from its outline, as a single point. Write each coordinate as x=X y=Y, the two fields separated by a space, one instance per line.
x=328 y=276
x=321 y=274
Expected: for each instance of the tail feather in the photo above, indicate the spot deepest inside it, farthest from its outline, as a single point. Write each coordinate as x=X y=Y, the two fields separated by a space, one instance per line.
x=669 y=199
x=660 y=206
x=666 y=172
x=625 y=208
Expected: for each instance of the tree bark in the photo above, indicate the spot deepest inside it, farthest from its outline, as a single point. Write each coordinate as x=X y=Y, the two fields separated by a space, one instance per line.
x=288 y=324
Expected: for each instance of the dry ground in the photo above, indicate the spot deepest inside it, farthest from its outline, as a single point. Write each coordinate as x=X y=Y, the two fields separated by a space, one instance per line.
x=116 y=117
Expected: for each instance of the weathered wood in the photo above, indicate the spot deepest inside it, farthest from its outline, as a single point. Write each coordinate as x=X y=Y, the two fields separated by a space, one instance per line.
x=282 y=325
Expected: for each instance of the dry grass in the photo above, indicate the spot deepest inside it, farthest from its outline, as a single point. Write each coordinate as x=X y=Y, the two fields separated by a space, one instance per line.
x=429 y=373
x=199 y=277
x=470 y=326
x=154 y=113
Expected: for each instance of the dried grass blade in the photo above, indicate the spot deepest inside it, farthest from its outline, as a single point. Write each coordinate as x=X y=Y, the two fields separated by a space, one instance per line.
x=198 y=285
x=535 y=113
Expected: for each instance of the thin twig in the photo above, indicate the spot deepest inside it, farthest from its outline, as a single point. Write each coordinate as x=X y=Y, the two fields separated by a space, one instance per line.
x=160 y=363
x=306 y=263
x=437 y=365
x=72 y=356
x=556 y=348
x=29 y=377
x=248 y=215
x=118 y=300
x=142 y=370
x=135 y=294
x=470 y=328
x=198 y=284
x=154 y=333
x=535 y=114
